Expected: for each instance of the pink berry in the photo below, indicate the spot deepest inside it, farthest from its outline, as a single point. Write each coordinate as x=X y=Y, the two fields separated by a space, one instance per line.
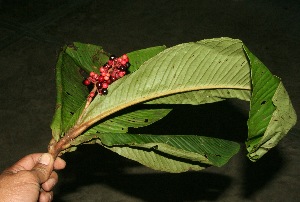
x=110 y=62
x=92 y=74
x=125 y=57
x=96 y=76
x=102 y=69
x=123 y=62
x=104 y=85
x=122 y=73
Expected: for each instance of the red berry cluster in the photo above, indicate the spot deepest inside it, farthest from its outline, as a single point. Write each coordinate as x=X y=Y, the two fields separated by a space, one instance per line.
x=111 y=71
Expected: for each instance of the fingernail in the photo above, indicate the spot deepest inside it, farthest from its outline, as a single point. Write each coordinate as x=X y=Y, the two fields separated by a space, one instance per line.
x=45 y=159
x=52 y=181
x=50 y=197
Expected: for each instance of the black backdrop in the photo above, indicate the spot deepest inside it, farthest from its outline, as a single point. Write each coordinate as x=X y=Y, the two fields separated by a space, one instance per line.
x=31 y=34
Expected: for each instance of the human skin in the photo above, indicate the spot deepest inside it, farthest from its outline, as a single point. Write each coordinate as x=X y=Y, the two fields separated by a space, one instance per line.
x=31 y=179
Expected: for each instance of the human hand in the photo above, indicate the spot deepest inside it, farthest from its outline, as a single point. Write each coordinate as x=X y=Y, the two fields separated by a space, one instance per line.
x=31 y=179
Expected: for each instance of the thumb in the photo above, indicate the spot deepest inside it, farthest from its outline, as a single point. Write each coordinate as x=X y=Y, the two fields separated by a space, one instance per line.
x=43 y=168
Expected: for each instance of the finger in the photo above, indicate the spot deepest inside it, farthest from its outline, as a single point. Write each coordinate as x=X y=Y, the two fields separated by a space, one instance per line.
x=45 y=196
x=26 y=163
x=43 y=168
x=50 y=183
x=59 y=164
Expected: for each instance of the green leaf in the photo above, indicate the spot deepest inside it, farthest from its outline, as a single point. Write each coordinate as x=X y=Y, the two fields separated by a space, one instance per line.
x=71 y=95
x=171 y=153
x=137 y=58
x=135 y=118
x=202 y=97
x=182 y=74
x=87 y=56
x=271 y=113
x=73 y=61
x=218 y=64
x=192 y=73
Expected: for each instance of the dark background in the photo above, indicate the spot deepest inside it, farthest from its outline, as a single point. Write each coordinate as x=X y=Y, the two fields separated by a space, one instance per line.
x=31 y=35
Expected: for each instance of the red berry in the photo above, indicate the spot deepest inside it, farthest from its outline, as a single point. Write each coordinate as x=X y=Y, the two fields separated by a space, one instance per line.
x=92 y=94
x=101 y=79
x=102 y=69
x=125 y=57
x=110 y=62
x=122 y=73
x=96 y=76
x=123 y=62
x=106 y=78
x=92 y=74
x=104 y=85
x=113 y=78
x=86 y=82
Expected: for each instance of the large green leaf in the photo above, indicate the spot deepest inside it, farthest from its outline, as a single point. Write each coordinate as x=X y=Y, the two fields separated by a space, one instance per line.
x=171 y=153
x=271 y=112
x=206 y=150
x=191 y=73
x=182 y=74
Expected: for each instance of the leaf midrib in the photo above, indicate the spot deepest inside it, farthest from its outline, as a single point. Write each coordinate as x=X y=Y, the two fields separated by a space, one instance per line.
x=155 y=96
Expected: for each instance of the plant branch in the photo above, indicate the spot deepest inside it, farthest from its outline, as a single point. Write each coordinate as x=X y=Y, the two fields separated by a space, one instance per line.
x=55 y=147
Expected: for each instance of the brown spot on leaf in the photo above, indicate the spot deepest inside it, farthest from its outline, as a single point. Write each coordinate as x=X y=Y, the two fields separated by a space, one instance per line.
x=58 y=106
x=73 y=47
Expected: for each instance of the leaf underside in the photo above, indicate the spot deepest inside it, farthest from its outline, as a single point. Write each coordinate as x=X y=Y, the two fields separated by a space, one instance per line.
x=192 y=73
x=171 y=153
